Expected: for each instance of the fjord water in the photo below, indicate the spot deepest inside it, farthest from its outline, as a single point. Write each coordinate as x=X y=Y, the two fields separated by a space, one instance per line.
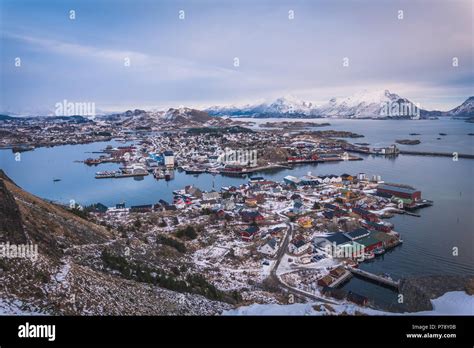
x=428 y=240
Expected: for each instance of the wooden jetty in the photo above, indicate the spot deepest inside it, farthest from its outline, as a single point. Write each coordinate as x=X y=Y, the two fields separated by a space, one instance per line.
x=375 y=278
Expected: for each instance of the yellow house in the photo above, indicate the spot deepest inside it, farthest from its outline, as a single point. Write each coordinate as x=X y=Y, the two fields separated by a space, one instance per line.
x=251 y=202
x=305 y=222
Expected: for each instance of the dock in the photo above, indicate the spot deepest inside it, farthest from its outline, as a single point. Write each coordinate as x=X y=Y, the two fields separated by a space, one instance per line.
x=438 y=154
x=374 y=278
x=342 y=279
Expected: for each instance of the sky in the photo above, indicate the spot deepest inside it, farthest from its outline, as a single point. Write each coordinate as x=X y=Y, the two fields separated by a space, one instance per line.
x=190 y=61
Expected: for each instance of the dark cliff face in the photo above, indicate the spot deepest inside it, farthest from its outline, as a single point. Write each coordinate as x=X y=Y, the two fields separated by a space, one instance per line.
x=25 y=218
x=11 y=227
x=418 y=291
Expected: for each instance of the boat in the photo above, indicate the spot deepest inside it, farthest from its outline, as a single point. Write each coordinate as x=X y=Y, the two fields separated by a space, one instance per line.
x=379 y=251
x=169 y=175
x=194 y=170
x=158 y=174
x=56 y=180
x=92 y=161
x=106 y=174
x=369 y=255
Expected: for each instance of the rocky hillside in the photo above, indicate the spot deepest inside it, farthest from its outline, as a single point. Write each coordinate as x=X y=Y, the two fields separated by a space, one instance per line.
x=171 y=119
x=69 y=274
x=418 y=291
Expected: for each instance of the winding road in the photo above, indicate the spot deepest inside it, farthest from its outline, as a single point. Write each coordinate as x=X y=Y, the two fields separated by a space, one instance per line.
x=280 y=253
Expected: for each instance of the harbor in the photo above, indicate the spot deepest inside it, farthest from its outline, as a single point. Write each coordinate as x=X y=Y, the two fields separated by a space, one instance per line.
x=424 y=236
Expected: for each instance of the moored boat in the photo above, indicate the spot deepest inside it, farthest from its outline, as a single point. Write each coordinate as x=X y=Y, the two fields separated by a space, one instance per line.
x=379 y=251
x=369 y=255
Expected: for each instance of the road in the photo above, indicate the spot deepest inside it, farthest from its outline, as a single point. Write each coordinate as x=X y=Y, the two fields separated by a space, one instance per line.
x=280 y=253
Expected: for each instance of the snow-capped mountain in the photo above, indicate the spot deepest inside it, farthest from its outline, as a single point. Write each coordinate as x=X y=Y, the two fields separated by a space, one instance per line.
x=466 y=109
x=361 y=105
x=288 y=106
x=369 y=104
x=365 y=104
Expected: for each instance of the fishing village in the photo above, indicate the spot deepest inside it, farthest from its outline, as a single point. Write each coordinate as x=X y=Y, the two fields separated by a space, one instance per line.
x=307 y=234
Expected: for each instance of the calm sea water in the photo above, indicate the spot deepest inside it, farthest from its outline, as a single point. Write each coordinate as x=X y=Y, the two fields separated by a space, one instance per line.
x=428 y=240
x=382 y=132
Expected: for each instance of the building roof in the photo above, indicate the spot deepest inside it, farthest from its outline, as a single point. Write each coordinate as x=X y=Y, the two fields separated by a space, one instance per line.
x=397 y=188
x=368 y=241
x=272 y=243
x=338 y=238
x=361 y=211
x=331 y=206
x=356 y=298
x=297 y=205
x=357 y=233
x=251 y=229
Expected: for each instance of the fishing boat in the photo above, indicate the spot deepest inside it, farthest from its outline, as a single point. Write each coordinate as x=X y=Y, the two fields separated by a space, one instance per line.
x=369 y=255
x=194 y=170
x=158 y=174
x=168 y=175
x=106 y=174
x=379 y=251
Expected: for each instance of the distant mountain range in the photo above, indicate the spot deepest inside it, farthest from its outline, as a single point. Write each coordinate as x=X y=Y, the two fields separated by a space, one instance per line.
x=374 y=104
x=378 y=104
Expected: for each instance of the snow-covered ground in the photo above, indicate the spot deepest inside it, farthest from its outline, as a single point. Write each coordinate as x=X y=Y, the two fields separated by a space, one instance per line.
x=17 y=307
x=451 y=303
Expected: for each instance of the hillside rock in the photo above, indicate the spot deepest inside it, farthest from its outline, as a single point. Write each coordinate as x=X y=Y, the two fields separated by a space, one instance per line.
x=419 y=291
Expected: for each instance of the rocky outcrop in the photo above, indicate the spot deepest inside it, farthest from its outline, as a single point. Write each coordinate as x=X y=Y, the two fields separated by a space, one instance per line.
x=419 y=291
x=11 y=227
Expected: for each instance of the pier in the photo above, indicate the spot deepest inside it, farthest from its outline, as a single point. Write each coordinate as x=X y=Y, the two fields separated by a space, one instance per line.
x=374 y=278
x=439 y=154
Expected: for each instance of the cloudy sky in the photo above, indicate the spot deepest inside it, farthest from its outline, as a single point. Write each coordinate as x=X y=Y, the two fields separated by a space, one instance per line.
x=190 y=61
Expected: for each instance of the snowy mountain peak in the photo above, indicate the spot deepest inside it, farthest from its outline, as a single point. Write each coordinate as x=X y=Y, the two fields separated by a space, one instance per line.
x=465 y=109
x=290 y=104
x=379 y=103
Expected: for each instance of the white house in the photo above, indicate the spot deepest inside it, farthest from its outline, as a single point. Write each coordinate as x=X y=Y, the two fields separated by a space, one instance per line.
x=298 y=246
x=169 y=159
x=210 y=195
x=269 y=248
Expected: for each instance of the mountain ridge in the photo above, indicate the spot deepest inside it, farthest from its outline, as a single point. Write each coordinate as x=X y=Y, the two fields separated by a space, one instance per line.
x=364 y=104
x=375 y=104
